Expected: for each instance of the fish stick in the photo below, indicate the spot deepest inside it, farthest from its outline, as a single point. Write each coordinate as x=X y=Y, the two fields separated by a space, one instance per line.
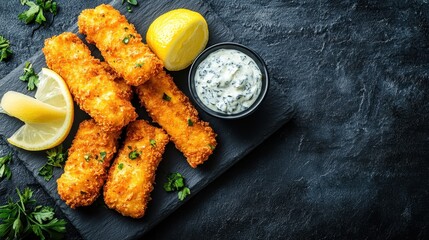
x=86 y=167
x=93 y=88
x=173 y=111
x=119 y=43
x=132 y=174
x=125 y=90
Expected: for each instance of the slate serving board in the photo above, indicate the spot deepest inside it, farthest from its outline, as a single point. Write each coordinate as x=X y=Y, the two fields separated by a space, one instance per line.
x=236 y=138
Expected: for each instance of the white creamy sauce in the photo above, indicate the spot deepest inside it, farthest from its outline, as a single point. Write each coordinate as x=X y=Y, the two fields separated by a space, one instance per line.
x=228 y=81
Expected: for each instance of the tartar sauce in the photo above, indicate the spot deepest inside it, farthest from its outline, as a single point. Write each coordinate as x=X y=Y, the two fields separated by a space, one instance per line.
x=228 y=81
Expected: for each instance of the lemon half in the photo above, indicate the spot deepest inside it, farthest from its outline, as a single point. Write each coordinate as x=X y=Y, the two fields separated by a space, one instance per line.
x=48 y=117
x=177 y=37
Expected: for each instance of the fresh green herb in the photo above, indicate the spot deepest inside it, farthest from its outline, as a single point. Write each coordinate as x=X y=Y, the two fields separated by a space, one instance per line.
x=166 y=97
x=139 y=65
x=30 y=77
x=4 y=167
x=87 y=157
x=131 y=3
x=56 y=158
x=103 y=156
x=190 y=123
x=120 y=166
x=134 y=154
x=36 y=10
x=5 y=51
x=18 y=221
x=127 y=38
x=152 y=142
x=183 y=193
x=211 y=147
x=176 y=182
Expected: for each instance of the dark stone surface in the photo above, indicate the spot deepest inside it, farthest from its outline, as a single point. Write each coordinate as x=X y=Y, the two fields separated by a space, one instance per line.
x=353 y=163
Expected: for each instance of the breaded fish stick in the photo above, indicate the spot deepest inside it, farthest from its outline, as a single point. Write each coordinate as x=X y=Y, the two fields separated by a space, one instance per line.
x=86 y=167
x=92 y=87
x=119 y=43
x=132 y=174
x=125 y=90
x=173 y=111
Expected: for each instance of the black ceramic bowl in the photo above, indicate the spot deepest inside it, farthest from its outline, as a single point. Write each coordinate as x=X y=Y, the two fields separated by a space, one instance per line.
x=229 y=45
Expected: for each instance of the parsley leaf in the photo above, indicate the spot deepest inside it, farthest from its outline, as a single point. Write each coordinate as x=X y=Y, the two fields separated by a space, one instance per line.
x=17 y=220
x=176 y=182
x=166 y=97
x=152 y=142
x=183 y=193
x=120 y=166
x=36 y=10
x=103 y=156
x=30 y=76
x=131 y=3
x=134 y=154
x=56 y=158
x=5 y=51
x=4 y=168
x=190 y=123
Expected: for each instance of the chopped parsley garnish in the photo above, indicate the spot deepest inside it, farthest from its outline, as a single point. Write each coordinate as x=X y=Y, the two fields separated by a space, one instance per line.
x=152 y=142
x=127 y=38
x=56 y=158
x=211 y=147
x=36 y=10
x=5 y=51
x=131 y=3
x=134 y=154
x=176 y=182
x=120 y=166
x=4 y=167
x=30 y=77
x=23 y=217
x=190 y=123
x=166 y=97
x=87 y=157
x=139 y=65
x=103 y=156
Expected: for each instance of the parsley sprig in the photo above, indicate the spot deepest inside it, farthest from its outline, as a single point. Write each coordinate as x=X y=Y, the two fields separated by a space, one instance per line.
x=5 y=51
x=30 y=77
x=130 y=5
x=36 y=11
x=176 y=182
x=56 y=158
x=18 y=221
x=4 y=167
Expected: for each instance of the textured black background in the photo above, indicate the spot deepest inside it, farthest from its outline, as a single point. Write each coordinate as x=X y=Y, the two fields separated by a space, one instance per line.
x=354 y=161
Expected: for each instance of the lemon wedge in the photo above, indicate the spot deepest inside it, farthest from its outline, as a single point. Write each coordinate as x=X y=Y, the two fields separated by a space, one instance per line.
x=177 y=37
x=48 y=117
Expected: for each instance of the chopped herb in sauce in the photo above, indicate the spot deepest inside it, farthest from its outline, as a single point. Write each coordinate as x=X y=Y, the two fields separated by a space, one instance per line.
x=211 y=147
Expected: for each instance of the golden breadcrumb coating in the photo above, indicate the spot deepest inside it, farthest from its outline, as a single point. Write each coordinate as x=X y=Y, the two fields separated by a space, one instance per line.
x=86 y=167
x=91 y=86
x=173 y=111
x=119 y=43
x=125 y=90
x=132 y=174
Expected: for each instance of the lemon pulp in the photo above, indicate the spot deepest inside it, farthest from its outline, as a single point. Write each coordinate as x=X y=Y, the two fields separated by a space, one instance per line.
x=48 y=117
